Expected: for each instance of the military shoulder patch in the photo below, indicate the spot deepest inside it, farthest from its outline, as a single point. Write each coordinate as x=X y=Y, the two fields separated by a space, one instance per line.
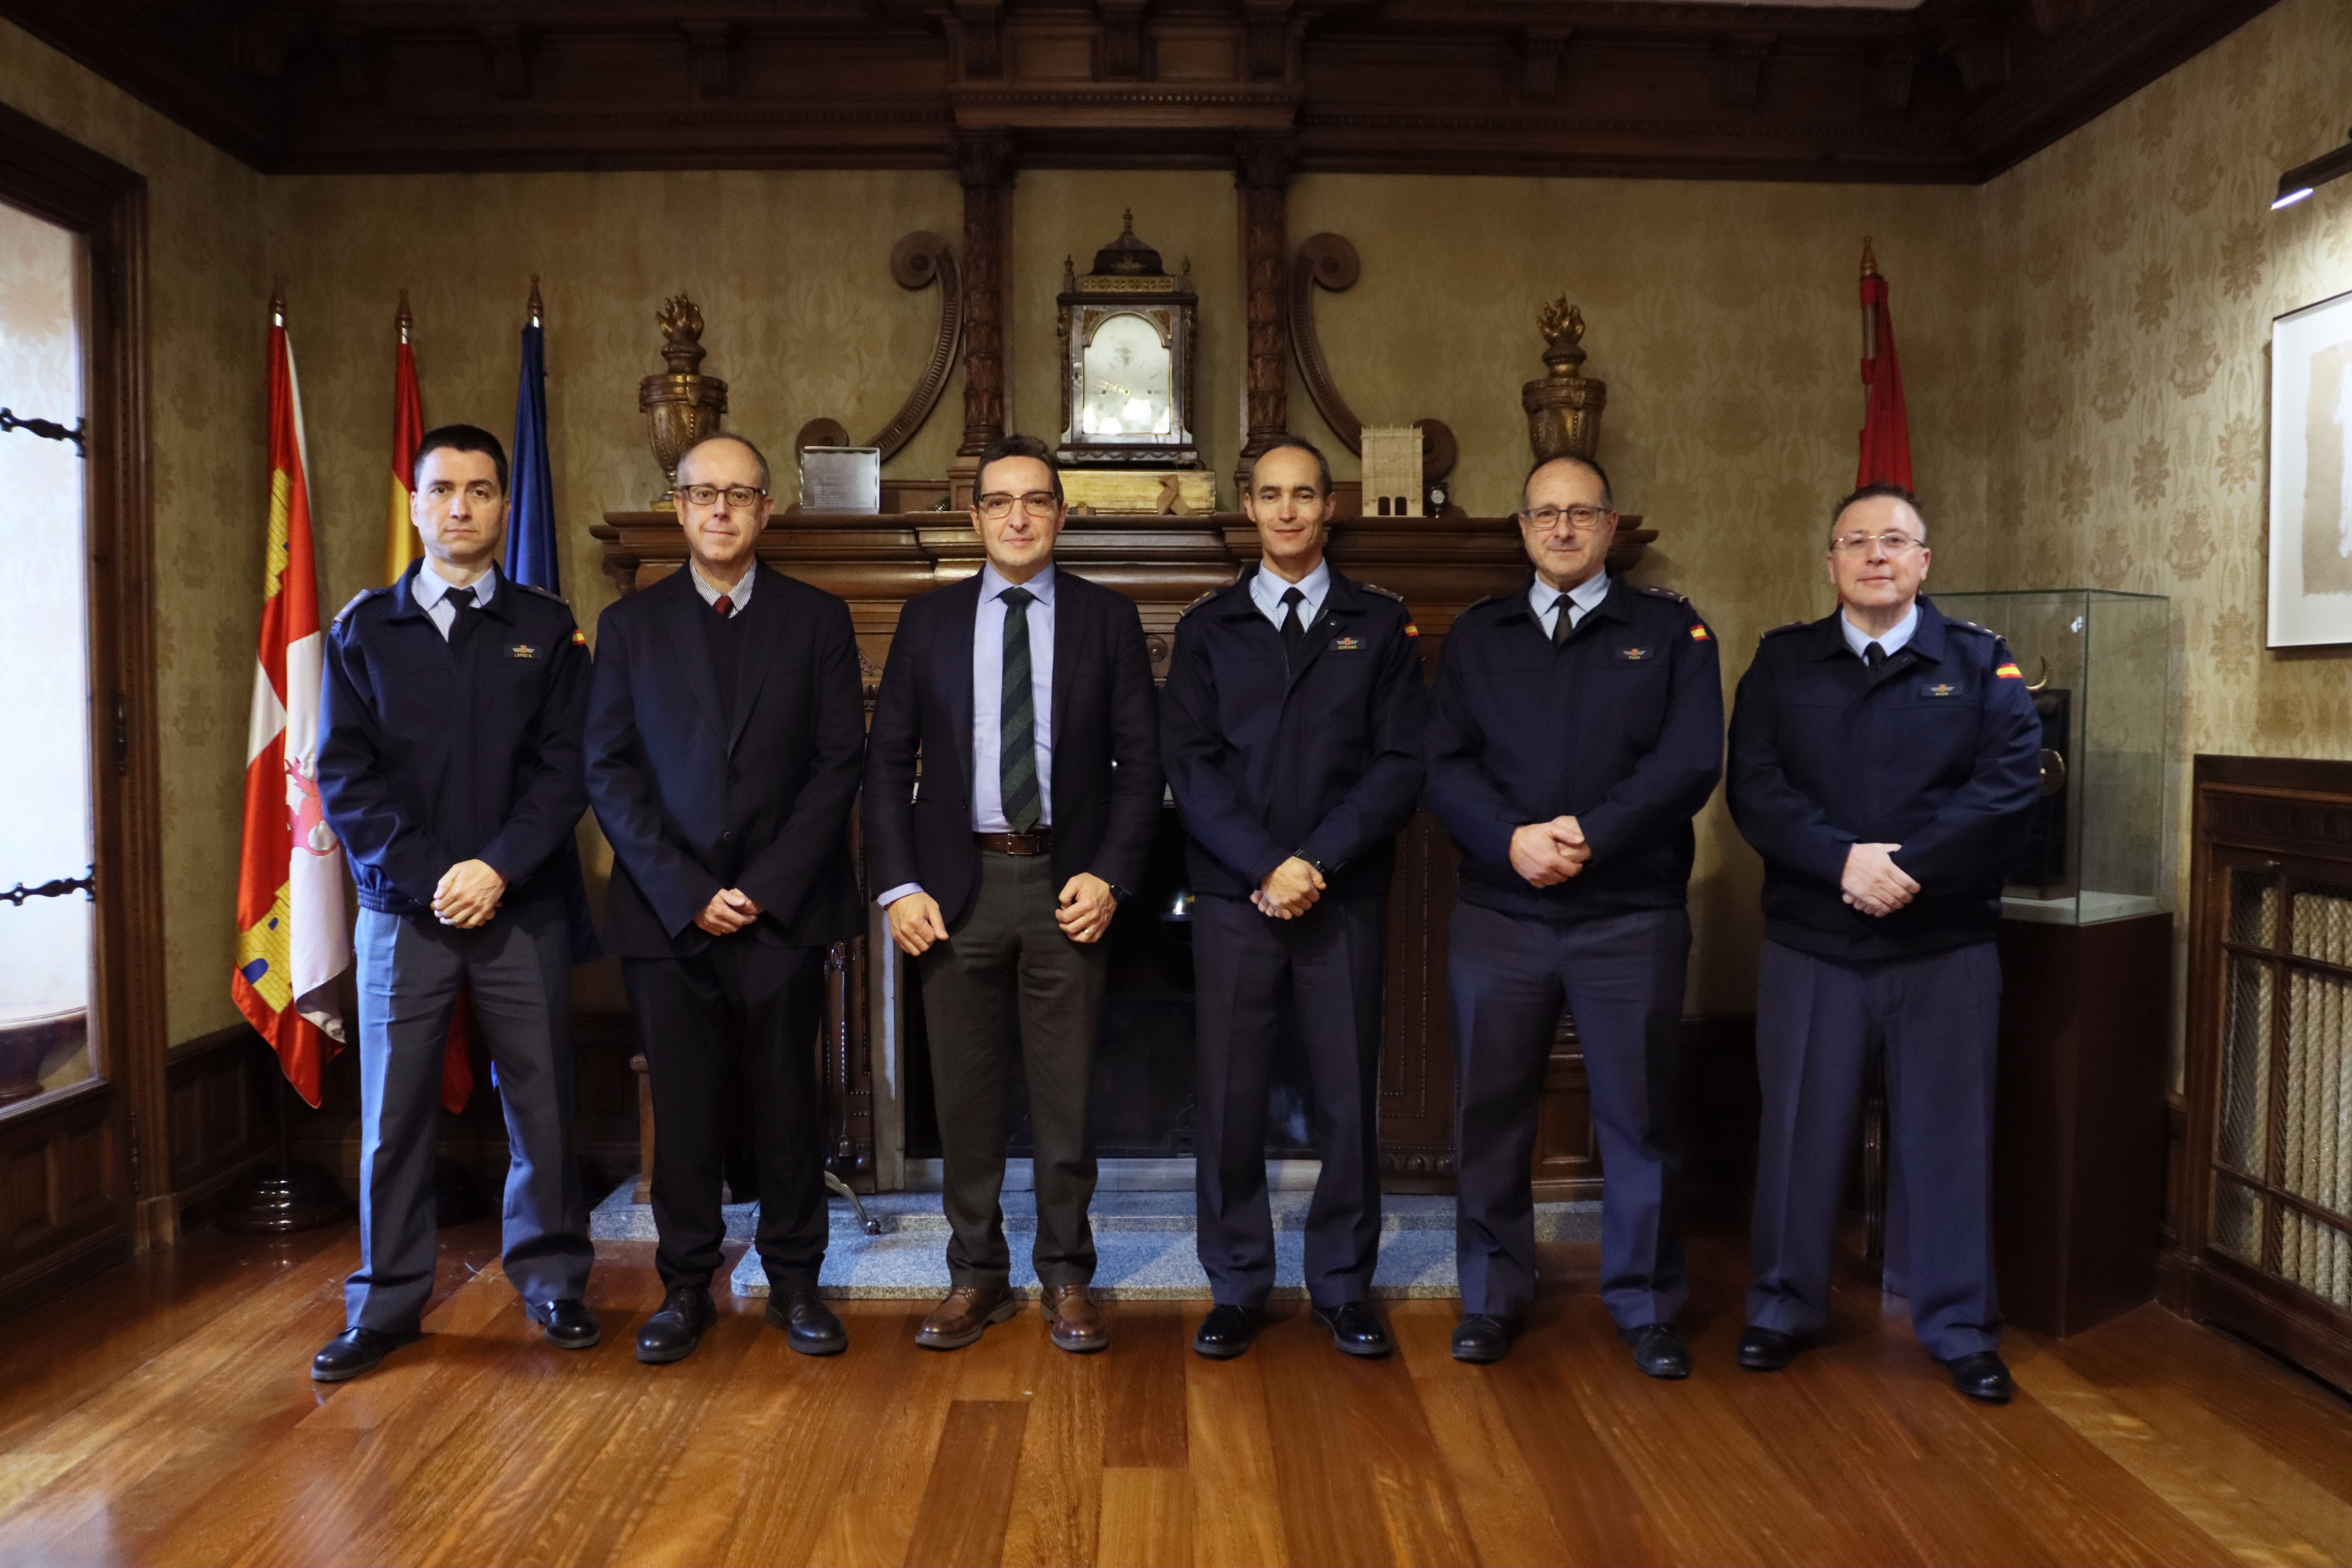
x=1698 y=633
x=1661 y=594
x=2008 y=672
x=582 y=638
x=1410 y=630
x=357 y=600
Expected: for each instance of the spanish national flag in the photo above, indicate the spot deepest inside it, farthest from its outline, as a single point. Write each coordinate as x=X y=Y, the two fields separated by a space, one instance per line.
x=291 y=938
x=407 y=434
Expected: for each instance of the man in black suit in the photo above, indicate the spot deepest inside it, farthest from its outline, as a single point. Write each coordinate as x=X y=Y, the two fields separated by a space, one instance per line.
x=1026 y=695
x=725 y=739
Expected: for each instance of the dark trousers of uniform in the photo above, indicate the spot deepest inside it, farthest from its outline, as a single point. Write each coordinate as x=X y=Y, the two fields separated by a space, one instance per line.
x=740 y=1013
x=1938 y=1020
x=1008 y=956
x=519 y=967
x=1329 y=961
x=1621 y=979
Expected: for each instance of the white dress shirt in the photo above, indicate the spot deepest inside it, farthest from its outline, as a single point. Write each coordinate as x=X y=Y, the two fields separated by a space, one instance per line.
x=432 y=593
x=1583 y=600
x=1890 y=641
x=1267 y=589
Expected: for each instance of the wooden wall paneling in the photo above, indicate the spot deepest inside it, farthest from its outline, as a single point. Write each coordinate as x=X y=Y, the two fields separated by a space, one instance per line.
x=219 y=1086
x=1947 y=91
x=1263 y=166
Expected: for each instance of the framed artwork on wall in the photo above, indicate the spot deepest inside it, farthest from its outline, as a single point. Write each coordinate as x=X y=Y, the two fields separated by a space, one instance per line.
x=2311 y=475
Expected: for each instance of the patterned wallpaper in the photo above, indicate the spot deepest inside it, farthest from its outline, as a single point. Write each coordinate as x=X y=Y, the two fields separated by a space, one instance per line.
x=2084 y=337
x=2142 y=267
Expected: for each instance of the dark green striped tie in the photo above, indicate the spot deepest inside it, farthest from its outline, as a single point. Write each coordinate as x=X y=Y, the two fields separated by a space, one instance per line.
x=1016 y=734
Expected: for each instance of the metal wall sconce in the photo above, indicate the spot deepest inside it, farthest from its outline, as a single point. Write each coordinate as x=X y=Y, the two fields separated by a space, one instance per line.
x=2304 y=178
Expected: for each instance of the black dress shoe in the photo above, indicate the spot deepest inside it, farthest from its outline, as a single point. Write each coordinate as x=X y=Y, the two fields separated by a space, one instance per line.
x=1658 y=1351
x=1354 y=1328
x=809 y=1325
x=1983 y=1375
x=1767 y=1350
x=1225 y=1332
x=355 y=1351
x=671 y=1334
x=568 y=1324
x=1481 y=1338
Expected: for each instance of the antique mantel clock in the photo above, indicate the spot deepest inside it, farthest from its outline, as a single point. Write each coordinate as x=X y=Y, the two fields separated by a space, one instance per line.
x=1127 y=359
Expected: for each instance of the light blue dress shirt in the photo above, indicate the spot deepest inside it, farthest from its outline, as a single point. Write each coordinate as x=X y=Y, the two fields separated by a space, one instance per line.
x=1892 y=640
x=1583 y=600
x=738 y=598
x=988 y=705
x=432 y=592
x=1267 y=590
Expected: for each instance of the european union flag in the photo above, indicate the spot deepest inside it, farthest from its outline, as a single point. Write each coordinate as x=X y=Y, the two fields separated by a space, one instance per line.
x=531 y=521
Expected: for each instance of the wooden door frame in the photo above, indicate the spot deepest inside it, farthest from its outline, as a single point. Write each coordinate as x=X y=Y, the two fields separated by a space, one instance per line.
x=59 y=180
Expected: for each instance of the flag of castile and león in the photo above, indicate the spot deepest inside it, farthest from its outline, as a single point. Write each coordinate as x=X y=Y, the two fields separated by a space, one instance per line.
x=292 y=939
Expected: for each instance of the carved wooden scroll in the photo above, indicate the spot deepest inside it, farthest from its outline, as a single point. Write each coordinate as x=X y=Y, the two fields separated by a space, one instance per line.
x=1329 y=261
x=919 y=261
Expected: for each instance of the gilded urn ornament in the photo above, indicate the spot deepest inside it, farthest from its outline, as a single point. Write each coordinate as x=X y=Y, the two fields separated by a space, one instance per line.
x=680 y=406
x=1563 y=407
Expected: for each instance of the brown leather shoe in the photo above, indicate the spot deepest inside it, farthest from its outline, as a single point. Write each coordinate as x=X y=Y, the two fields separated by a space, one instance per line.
x=1074 y=1320
x=964 y=1316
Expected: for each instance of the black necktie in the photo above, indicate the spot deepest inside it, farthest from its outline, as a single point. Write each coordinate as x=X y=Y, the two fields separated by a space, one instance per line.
x=1294 y=632
x=1016 y=732
x=1563 y=622
x=464 y=617
x=1873 y=655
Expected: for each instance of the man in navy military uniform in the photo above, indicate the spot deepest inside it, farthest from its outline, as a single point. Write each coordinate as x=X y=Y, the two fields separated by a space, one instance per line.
x=450 y=766
x=1290 y=729
x=1882 y=760
x=1578 y=728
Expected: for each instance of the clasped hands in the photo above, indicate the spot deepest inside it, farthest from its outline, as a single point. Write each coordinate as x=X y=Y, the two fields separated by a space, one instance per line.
x=1548 y=853
x=1083 y=911
x=729 y=911
x=1872 y=882
x=1289 y=891
x=467 y=894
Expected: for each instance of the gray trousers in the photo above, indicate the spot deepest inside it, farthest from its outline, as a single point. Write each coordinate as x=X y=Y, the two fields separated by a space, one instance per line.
x=1938 y=1019
x=1008 y=954
x=519 y=966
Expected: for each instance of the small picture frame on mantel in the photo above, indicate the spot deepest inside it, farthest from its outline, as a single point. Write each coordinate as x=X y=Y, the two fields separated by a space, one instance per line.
x=2311 y=475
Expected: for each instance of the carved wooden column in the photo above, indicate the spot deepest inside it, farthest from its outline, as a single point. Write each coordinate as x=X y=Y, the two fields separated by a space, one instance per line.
x=1262 y=165
x=984 y=164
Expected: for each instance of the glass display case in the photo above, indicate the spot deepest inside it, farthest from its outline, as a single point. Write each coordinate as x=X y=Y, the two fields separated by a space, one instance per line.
x=2097 y=663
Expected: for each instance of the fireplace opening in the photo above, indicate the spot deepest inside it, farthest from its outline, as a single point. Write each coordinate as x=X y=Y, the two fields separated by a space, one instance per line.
x=1142 y=1095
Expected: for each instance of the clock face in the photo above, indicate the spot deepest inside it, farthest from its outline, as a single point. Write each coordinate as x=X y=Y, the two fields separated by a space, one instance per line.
x=1128 y=374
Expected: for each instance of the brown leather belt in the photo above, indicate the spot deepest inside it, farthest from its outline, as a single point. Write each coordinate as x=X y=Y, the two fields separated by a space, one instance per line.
x=1038 y=843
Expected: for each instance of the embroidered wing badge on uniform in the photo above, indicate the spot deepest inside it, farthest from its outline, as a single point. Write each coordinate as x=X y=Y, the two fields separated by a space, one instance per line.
x=1346 y=644
x=1941 y=689
x=1633 y=655
x=2009 y=672
x=522 y=650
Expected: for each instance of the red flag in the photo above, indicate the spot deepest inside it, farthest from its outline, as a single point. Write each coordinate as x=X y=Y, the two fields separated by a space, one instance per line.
x=291 y=937
x=1885 y=429
x=399 y=552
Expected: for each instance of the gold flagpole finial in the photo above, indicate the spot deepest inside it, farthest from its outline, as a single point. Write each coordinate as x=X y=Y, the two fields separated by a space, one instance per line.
x=1869 y=258
x=535 y=305
x=404 y=318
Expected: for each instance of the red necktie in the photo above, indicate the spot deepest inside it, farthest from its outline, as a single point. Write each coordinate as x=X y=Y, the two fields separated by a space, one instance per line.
x=724 y=606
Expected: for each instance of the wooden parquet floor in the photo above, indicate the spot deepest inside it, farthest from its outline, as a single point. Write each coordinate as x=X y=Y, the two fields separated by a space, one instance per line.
x=165 y=1415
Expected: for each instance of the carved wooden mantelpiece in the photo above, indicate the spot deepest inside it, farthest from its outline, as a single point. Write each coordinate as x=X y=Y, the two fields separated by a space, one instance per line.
x=1441 y=565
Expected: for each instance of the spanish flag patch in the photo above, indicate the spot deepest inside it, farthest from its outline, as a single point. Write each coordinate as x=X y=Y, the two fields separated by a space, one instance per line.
x=580 y=636
x=1698 y=634
x=2009 y=672
x=1410 y=630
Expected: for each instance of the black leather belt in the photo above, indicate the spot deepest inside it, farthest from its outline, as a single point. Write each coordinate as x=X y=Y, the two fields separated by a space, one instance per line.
x=1038 y=843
